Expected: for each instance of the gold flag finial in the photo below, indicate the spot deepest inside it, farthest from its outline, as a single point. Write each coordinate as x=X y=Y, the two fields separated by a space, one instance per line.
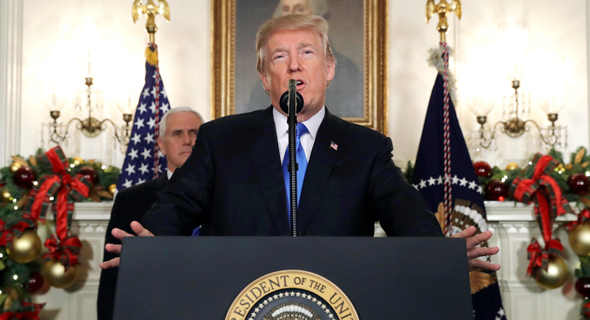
x=150 y=10
x=443 y=8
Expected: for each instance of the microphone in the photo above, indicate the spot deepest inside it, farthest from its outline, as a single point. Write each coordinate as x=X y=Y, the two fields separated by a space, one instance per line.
x=294 y=99
x=284 y=101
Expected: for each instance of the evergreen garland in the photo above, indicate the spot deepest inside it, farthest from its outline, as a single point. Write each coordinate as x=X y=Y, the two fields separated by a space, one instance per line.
x=15 y=300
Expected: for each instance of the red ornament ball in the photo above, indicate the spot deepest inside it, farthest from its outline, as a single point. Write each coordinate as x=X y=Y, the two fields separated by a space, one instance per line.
x=496 y=190
x=578 y=183
x=90 y=174
x=482 y=169
x=36 y=283
x=24 y=177
x=583 y=287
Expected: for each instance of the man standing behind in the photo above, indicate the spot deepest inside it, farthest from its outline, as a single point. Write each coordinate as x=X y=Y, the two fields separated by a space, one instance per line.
x=180 y=127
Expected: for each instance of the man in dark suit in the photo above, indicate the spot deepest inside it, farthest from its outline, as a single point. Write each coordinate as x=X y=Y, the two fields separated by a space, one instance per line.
x=180 y=127
x=233 y=183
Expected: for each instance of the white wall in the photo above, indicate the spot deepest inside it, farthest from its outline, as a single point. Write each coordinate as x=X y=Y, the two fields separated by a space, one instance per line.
x=185 y=44
x=555 y=28
x=48 y=30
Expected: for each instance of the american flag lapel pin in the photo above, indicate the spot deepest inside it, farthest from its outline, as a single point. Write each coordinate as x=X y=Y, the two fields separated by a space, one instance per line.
x=333 y=146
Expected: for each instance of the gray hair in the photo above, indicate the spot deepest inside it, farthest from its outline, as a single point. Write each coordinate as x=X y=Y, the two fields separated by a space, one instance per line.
x=318 y=8
x=172 y=111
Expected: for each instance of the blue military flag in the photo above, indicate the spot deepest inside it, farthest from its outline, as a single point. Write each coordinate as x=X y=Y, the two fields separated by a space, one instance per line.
x=467 y=200
x=143 y=160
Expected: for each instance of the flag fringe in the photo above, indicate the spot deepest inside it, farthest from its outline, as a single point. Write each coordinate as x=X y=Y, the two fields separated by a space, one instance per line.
x=151 y=56
x=435 y=59
x=467 y=214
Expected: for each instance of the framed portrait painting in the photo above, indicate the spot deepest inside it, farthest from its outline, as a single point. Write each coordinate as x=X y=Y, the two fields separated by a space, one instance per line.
x=357 y=32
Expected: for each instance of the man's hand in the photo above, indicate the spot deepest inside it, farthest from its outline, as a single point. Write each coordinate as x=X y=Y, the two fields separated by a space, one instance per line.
x=474 y=252
x=116 y=248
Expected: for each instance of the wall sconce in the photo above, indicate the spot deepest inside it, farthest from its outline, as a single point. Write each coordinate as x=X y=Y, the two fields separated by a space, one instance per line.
x=90 y=127
x=88 y=99
x=513 y=53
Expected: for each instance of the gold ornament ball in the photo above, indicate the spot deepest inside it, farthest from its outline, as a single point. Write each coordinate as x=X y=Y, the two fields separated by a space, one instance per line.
x=77 y=161
x=511 y=166
x=26 y=248
x=579 y=239
x=15 y=166
x=112 y=188
x=555 y=276
x=6 y=196
x=54 y=272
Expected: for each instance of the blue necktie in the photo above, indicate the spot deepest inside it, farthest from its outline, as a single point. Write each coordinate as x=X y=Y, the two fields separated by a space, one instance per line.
x=301 y=162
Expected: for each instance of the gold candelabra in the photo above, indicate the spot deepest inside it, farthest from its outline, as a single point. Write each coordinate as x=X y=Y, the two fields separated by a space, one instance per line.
x=90 y=127
x=515 y=127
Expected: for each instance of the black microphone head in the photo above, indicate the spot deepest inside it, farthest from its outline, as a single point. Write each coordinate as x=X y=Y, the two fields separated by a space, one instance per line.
x=285 y=102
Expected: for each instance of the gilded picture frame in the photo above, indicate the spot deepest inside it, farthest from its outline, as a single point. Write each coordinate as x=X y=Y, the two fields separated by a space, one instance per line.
x=226 y=69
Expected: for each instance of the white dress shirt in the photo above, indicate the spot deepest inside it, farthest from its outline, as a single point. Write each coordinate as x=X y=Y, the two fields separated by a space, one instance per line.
x=307 y=140
x=169 y=173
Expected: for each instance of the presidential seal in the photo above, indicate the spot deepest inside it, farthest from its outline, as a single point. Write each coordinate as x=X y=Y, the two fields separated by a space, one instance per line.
x=291 y=294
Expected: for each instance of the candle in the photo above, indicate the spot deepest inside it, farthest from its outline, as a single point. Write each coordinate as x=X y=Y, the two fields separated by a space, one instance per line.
x=89 y=63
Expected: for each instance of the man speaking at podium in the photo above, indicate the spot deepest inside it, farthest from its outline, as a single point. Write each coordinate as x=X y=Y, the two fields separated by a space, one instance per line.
x=234 y=182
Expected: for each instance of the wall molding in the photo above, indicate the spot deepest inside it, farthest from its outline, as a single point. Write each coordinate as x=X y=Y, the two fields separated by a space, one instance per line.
x=588 y=57
x=11 y=39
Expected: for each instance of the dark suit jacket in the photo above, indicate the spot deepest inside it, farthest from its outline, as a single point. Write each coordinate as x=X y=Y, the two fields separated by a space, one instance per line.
x=130 y=205
x=233 y=184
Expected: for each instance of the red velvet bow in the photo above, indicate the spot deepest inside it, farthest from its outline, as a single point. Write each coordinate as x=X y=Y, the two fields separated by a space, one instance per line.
x=6 y=236
x=9 y=232
x=19 y=315
x=65 y=250
x=526 y=189
x=539 y=257
x=31 y=312
x=68 y=186
x=582 y=217
x=62 y=184
x=586 y=310
x=544 y=191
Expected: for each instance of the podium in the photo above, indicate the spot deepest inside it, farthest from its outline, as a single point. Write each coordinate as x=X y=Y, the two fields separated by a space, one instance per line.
x=230 y=277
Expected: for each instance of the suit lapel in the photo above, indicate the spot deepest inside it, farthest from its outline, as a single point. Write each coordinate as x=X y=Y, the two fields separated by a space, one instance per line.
x=321 y=163
x=161 y=181
x=264 y=153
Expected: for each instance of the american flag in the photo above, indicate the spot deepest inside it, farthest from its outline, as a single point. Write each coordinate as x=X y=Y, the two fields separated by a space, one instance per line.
x=140 y=162
x=468 y=206
x=333 y=146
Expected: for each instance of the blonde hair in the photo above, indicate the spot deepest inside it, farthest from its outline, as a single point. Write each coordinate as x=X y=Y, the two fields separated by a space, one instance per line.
x=313 y=23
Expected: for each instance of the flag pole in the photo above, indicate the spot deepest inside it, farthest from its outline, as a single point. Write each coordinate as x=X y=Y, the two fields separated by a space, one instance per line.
x=151 y=54
x=443 y=9
x=150 y=10
x=143 y=151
